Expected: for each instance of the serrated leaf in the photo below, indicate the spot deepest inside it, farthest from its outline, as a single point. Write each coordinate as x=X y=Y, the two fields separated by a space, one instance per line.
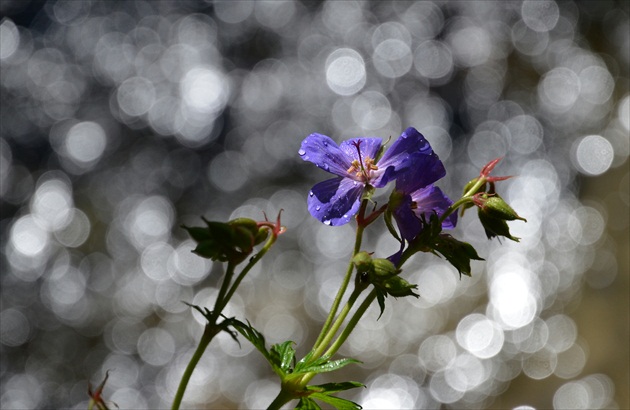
x=306 y=403
x=458 y=253
x=286 y=354
x=326 y=366
x=329 y=388
x=254 y=336
x=337 y=402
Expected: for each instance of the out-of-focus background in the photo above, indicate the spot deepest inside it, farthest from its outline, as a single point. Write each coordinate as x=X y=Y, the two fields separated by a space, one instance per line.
x=122 y=120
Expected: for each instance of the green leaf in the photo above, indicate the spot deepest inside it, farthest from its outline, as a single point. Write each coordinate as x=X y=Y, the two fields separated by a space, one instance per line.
x=330 y=388
x=258 y=340
x=495 y=227
x=232 y=241
x=285 y=353
x=387 y=217
x=322 y=365
x=458 y=253
x=337 y=402
x=380 y=298
x=306 y=403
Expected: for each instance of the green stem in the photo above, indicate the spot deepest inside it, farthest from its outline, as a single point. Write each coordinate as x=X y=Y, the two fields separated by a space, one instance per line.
x=354 y=320
x=221 y=300
x=283 y=397
x=212 y=329
x=209 y=332
x=464 y=199
x=346 y=279
x=345 y=333
x=319 y=350
x=253 y=261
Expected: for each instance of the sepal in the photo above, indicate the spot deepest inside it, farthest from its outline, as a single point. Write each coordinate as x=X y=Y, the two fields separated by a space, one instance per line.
x=227 y=242
x=458 y=253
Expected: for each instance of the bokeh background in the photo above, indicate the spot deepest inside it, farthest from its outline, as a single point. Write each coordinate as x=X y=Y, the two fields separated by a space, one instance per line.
x=122 y=120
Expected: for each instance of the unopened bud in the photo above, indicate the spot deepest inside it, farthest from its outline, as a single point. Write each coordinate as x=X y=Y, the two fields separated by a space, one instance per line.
x=384 y=268
x=398 y=287
x=494 y=206
x=495 y=226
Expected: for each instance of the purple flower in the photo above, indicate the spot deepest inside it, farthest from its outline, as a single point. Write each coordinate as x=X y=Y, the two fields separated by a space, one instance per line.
x=416 y=198
x=356 y=165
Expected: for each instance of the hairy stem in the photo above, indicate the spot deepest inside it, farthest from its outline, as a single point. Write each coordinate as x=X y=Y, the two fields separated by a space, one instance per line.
x=212 y=328
x=346 y=279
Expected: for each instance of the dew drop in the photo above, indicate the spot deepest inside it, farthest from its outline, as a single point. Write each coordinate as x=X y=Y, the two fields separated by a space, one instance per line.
x=301 y=152
x=328 y=222
x=326 y=167
x=311 y=193
x=317 y=208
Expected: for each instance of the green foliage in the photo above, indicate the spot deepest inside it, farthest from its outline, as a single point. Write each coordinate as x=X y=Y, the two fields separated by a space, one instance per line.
x=495 y=227
x=431 y=239
x=281 y=357
x=458 y=253
x=227 y=242
x=323 y=392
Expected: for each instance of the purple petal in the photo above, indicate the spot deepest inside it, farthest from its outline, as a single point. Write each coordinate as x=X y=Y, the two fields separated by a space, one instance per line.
x=408 y=223
x=431 y=199
x=335 y=201
x=368 y=146
x=423 y=171
x=399 y=156
x=395 y=258
x=324 y=152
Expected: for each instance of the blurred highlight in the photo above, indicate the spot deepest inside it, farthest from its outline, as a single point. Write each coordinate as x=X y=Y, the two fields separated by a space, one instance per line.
x=122 y=120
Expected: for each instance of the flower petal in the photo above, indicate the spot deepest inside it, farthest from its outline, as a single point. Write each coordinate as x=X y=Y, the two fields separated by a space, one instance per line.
x=408 y=223
x=335 y=201
x=324 y=152
x=368 y=146
x=398 y=157
x=423 y=171
x=431 y=199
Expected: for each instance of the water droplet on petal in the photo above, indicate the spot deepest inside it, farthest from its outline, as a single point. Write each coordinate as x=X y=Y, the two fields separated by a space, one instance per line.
x=328 y=222
x=326 y=167
x=317 y=208
x=301 y=151
x=311 y=193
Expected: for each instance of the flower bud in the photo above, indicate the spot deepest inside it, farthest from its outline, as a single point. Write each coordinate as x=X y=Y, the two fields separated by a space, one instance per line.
x=495 y=226
x=495 y=207
x=384 y=268
x=398 y=287
x=363 y=262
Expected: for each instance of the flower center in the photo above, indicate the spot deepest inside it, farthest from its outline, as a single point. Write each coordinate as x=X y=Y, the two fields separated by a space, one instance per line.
x=362 y=168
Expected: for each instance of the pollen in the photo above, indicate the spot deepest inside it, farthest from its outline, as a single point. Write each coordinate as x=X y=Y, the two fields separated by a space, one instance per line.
x=362 y=170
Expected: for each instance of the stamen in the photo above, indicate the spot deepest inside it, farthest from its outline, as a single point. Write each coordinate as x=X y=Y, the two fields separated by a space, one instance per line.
x=362 y=171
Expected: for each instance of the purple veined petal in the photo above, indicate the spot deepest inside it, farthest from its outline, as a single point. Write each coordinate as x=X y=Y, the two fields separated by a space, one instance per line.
x=423 y=171
x=408 y=223
x=368 y=146
x=325 y=153
x=395 y=258
x=399 y=156
x=431 y=199
x=335 y=201
x=410 y=142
